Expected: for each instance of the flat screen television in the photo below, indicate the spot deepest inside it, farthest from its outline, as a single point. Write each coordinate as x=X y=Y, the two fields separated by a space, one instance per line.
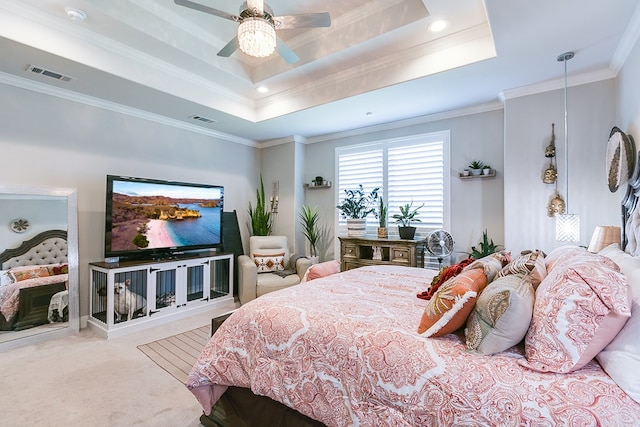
x=151 y=218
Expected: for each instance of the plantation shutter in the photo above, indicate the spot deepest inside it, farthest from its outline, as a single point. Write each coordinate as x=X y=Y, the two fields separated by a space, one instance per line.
x=406 y=170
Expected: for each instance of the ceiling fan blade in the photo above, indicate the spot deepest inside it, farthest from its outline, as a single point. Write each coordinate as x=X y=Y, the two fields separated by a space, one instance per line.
x=229 y=48
x=206 y=9
x=285 y=52
x=257 y=5
x=306 y=20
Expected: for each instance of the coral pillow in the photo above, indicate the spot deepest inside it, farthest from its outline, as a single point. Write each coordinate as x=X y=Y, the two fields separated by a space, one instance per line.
x=269 y=263
x=323 y=269
x=579 y=309
x=502 y=315
x=491 y=264
x=531 y=264
x=29 y=273
x=450 y=306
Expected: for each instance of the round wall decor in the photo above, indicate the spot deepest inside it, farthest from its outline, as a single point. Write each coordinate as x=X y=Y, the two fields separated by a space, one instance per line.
x=620 y=158
x=19 y=225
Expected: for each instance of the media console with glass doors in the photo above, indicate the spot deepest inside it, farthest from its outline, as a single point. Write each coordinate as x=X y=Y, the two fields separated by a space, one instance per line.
x=132 y=295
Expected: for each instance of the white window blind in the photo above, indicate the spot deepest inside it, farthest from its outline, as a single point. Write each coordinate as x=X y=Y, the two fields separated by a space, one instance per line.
x=406 y=170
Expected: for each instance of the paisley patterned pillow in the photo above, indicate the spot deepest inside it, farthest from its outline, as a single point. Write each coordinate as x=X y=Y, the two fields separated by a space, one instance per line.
x=501 y=316
x=491 y=264
x=452 y=303
x=580 y=307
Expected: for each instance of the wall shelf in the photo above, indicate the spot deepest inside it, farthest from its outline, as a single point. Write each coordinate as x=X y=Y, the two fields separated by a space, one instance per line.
x=492 y=174
x=316 y=187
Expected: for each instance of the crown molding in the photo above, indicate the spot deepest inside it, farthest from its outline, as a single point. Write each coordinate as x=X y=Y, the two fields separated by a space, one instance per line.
x=627 y=42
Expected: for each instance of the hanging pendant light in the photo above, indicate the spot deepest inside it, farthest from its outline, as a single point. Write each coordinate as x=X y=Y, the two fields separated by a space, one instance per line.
x=567 y=225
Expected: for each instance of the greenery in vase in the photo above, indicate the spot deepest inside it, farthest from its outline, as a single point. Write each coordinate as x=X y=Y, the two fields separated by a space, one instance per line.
x=357 y=204
x=382 y=213
x=486 y=247
x=261 y=217
x=309 y=217
x=476 y=164
x=407 y=214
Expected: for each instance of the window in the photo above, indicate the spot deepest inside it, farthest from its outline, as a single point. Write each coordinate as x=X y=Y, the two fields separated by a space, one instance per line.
x=406 y=170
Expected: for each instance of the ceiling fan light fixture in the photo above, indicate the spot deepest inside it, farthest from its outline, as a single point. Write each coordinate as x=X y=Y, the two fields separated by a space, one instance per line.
x=257 y=37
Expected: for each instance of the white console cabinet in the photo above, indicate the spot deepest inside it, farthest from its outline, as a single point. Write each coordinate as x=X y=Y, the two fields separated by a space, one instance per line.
x=154 y=292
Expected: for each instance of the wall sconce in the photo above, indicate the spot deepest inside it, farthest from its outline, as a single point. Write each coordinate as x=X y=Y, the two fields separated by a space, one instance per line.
x=567 y=225
x=273 y=200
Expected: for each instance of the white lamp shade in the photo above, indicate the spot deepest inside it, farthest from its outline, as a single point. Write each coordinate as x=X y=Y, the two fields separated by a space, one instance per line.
x=568 y=228
x=603 y=236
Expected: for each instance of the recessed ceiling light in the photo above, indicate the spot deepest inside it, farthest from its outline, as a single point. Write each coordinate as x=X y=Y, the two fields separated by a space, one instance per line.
x=438 y=25
x=262 y=89
x=75 y=14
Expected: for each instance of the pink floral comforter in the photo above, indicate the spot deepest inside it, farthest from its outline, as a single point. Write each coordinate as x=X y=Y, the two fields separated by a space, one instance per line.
x=10 y=294
x=344 y=350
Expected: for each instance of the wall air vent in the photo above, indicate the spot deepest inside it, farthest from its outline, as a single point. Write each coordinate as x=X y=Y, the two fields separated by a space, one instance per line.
x=202 y=119
x=49 y=73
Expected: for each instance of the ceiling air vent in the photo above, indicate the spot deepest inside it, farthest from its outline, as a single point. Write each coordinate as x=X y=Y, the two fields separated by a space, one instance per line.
x=49 y=73
x=202 y=119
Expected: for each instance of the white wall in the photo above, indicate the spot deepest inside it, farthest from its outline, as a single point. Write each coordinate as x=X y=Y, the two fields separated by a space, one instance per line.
x=591 y=115
x=46 y=141
x=628 y=97
x=42 y=213
x=476 y=205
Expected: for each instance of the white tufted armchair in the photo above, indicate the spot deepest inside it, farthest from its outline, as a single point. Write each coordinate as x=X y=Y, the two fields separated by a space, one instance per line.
x=264 y=251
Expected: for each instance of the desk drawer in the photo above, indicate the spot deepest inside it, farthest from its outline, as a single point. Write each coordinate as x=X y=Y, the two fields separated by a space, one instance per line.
x=400 y=256
x=350 y=251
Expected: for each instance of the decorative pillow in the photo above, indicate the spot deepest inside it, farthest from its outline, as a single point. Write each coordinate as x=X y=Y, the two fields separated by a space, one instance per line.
x=450 y=306
x=5 y=278
x=579 y=309
x=502 y=315
x=323 y=269
x=29 y=273
x=621 y=358
x=531 y=264
x=269 y=263
x=443 y=275
x=565 y=254
x=491 y=264
x=54 y=270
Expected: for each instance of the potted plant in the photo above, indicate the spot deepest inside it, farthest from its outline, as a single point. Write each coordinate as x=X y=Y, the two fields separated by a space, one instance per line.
x=261 y=217
x=355 y=207
x=486 y=170
x=485 y=247
x=475 y=167
x=407 y=214
x=383 y=209
x=309 y=217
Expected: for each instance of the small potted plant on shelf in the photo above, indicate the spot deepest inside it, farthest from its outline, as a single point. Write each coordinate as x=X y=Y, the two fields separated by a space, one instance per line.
x=309 y=217
x=355 y=207
x=407 y=214
x=486 y=170
x=475 y=167
x=383 y=233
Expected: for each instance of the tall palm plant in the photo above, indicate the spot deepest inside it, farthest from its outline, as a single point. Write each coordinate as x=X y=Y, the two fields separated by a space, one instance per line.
x=261 y=216
x=309 y=217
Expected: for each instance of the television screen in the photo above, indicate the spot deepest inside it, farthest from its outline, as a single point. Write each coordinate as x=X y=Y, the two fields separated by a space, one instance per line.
x=148 y=217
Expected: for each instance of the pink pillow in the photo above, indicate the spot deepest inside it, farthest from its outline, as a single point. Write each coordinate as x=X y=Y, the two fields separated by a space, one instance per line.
x=323 y=269
x=580 y=307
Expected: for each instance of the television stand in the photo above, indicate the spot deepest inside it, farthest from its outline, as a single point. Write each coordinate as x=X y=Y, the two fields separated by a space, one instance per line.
x=157 y=291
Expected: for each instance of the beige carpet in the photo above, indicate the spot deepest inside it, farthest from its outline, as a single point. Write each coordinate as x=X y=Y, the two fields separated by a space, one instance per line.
x=178 y=353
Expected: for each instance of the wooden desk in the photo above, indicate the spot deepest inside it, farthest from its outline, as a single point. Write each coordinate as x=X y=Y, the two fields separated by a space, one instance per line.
x=360 y=251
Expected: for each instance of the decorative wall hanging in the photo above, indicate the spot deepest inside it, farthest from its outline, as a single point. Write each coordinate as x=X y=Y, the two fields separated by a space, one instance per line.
x=620 y=158
x=551 y=174
x=19 y=225
x=556 y=205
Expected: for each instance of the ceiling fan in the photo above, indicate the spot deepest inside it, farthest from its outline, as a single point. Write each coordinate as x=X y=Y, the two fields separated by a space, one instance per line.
x=257 y=30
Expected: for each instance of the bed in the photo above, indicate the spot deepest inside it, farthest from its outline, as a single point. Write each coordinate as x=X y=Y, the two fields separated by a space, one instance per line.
x=366 y=347
x=33 y=275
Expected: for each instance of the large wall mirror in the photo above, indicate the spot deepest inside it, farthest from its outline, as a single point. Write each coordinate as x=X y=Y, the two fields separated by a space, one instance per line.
x=38 y=264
